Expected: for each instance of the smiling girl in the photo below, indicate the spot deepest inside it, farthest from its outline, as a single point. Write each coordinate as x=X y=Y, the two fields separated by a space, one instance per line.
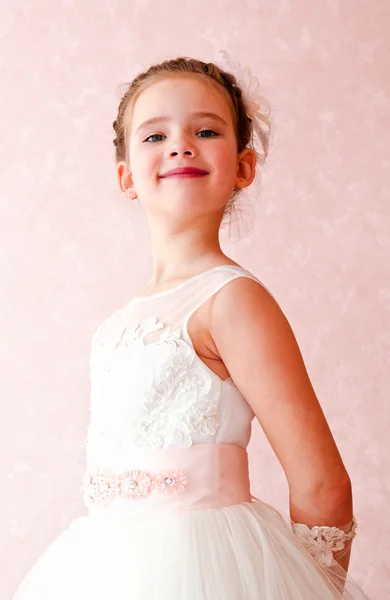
x=179 y=373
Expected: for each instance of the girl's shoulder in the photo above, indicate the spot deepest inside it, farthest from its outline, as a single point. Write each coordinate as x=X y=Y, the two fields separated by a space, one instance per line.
x=237 y=281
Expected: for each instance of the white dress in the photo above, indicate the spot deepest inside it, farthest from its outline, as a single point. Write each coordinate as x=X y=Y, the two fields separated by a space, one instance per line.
x=170 y=513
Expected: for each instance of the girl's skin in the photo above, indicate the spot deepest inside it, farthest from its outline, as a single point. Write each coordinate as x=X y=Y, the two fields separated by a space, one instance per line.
x=258 y=349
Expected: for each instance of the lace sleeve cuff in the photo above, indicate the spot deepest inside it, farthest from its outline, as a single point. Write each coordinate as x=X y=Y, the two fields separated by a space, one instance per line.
x=323 y=542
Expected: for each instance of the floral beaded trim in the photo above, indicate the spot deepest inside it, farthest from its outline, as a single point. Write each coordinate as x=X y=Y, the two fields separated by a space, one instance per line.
x=323 y=541
x=102 y=486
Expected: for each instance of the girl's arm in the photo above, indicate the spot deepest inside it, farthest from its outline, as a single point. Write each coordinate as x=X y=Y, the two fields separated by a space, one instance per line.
x=253 y=338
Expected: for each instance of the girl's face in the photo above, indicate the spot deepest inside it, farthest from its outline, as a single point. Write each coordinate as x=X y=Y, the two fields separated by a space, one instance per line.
x=181 y=137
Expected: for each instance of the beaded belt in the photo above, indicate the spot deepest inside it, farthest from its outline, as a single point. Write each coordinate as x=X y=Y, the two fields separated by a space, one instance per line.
x=201 y=476
x=102 y=485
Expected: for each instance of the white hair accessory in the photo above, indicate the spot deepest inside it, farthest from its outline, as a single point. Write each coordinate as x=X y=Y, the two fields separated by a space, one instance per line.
x=256 y=105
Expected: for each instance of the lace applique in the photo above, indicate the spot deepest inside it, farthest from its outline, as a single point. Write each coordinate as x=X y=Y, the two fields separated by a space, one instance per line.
x=174 y=407
x=138 y=333
x=323 y=541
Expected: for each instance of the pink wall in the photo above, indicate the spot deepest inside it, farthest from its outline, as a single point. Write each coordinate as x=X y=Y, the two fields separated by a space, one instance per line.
x=73 y=250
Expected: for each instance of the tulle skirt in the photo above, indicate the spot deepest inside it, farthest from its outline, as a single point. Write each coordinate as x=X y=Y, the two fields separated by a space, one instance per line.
x=245 y=551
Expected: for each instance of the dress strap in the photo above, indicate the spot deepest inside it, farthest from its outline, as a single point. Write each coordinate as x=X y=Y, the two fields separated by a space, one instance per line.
x=210 y=283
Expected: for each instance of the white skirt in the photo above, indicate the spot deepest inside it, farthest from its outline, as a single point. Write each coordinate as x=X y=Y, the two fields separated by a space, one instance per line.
x=245 y=551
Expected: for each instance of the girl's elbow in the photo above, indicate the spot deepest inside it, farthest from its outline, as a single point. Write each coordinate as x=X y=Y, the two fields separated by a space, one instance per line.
x=335 y=492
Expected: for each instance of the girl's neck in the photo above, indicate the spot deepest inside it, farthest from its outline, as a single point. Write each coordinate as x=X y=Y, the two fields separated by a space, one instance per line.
x=166 y=275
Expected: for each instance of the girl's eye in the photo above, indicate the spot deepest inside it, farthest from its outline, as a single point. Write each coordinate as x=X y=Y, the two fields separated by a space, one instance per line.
x=154 y=135
x=208 y=130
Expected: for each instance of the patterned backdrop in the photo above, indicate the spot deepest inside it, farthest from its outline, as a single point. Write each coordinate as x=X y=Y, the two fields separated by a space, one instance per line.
x=73 y=249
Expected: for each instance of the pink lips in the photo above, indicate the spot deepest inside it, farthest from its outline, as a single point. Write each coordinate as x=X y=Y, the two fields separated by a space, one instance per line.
x=185 y=172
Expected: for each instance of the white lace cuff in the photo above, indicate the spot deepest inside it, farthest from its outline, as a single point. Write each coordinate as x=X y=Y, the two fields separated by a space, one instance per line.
x=322 y=541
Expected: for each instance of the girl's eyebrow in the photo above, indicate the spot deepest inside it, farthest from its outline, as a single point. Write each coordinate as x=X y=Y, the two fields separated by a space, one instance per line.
x=206 y=115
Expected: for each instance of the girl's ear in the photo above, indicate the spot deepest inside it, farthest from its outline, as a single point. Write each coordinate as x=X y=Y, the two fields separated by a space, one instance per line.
x=246 y=168
x=125 y=179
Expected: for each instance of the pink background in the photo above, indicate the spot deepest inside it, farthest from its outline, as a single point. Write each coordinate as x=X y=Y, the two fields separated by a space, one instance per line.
x=73 y=249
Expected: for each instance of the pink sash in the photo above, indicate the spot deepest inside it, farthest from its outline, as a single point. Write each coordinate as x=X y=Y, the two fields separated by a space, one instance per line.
x=201 y=476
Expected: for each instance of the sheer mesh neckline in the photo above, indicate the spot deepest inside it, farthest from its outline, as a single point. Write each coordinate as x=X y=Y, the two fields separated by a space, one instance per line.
x=182 y=284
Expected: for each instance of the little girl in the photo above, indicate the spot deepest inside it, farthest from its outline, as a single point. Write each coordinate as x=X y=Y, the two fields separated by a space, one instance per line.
x=179 y=373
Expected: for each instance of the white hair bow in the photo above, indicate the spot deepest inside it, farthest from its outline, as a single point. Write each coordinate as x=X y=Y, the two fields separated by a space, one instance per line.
x=257 y=106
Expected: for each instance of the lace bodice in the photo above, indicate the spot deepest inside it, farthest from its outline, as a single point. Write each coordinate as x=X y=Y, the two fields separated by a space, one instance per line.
x=149 y=388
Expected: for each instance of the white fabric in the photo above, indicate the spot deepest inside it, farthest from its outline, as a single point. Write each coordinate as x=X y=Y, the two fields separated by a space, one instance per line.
x=150 y=391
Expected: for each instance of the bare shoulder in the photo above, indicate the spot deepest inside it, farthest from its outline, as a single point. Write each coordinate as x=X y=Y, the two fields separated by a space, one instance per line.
x=232 y=301
x=247 y=302
x=244 y=315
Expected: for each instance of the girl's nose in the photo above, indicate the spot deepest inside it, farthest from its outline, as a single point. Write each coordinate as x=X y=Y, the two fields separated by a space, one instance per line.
x=187 y=152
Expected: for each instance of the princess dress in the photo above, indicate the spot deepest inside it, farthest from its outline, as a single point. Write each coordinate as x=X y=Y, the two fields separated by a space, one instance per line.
x=170 y=512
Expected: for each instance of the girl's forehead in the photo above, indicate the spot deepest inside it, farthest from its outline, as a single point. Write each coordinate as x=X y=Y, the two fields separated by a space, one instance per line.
x=184 y=93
